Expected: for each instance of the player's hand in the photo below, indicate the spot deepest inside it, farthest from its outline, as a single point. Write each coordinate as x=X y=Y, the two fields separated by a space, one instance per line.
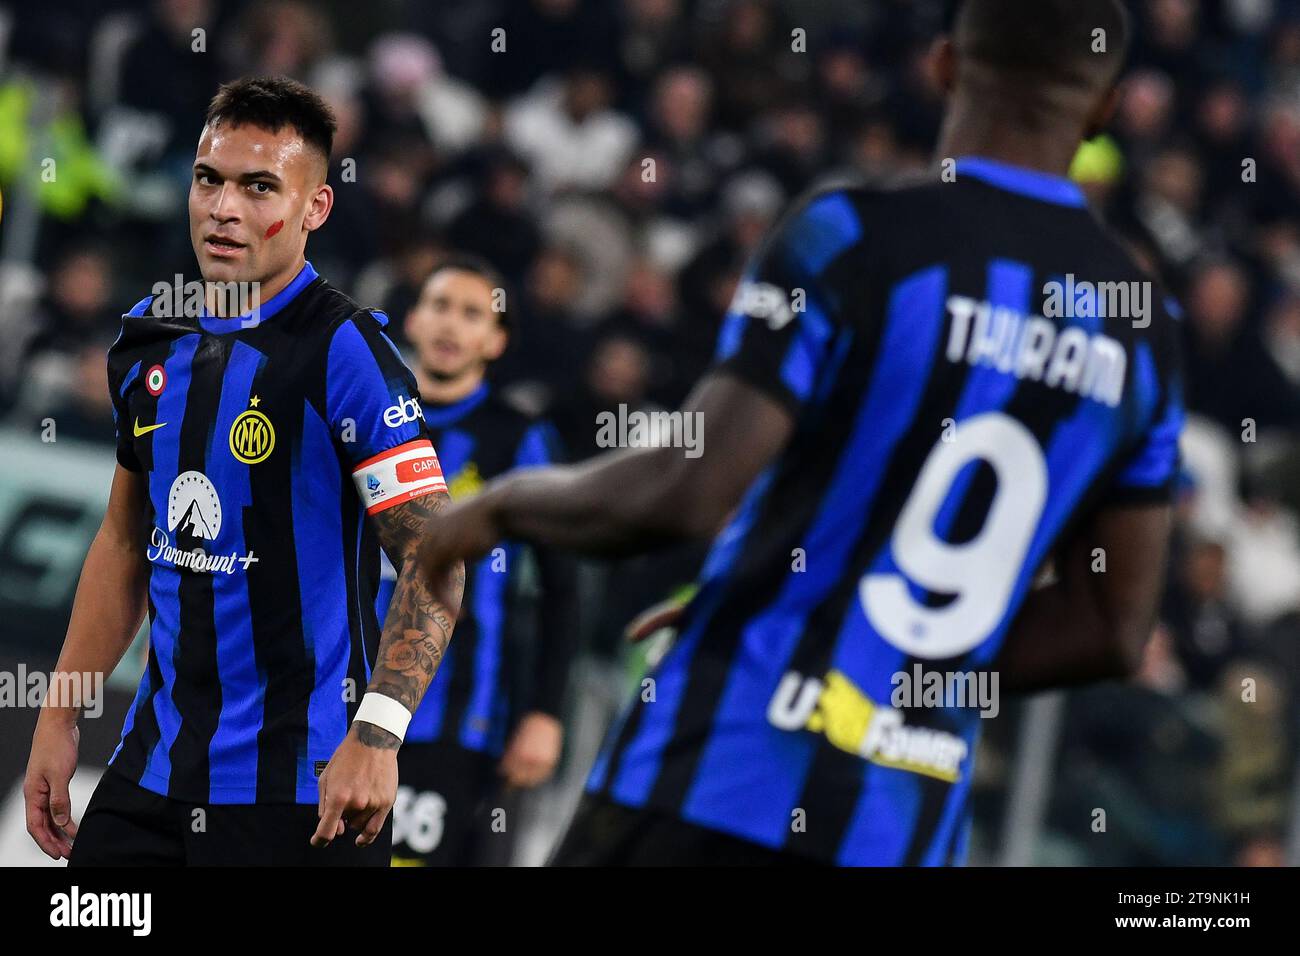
x=466 y=529
x=50 y=767
x=357 y=789
x=533 y=751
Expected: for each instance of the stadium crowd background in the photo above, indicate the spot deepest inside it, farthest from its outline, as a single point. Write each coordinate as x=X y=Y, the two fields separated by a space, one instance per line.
x=618 y=160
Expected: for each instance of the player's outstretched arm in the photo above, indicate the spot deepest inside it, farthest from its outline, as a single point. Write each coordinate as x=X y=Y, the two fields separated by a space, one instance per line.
x=625 y=501
x=106 y=613
x=359 y=785
x=1091 y=624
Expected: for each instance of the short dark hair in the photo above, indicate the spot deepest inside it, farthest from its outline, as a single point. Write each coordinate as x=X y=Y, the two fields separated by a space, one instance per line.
x=478 y=266
x=272 y=103
x=1046 y=41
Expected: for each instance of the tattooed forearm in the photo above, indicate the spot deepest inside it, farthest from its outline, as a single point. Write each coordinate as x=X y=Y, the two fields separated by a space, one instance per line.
x=418 y=627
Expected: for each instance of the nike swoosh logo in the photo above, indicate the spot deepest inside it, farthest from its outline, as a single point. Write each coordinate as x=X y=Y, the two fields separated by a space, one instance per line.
x=146 y=429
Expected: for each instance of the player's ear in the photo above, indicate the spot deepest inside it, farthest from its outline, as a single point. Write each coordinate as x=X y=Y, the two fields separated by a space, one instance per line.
x=496 y=343
x=942 y=61
x=411 y=324
x=1102 y=113
x=318 y=210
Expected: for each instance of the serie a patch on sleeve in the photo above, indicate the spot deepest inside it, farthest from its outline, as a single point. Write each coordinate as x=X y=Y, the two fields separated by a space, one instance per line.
x=399 y=474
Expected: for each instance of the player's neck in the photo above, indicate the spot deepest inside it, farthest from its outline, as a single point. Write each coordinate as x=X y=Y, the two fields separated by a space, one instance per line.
x=218 y=303
x=972 y=132
x=442 y=391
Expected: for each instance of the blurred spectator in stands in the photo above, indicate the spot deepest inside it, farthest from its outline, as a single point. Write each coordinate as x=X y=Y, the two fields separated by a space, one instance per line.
x=1146 y=112
x=77 y=308
x=874 y=148
x=569 y=133
x=847 y=91
x=707 y=284
x=78 y=304
x=792 y=145
x=1168 y=207
x=648 y=314
x=163 y=74
x=1230 y=375
x=1171 y=41
x=1250 y=799
x=749 y=55
x=541 y=37
x=1206 y=630
x=284 y=38
x=410 y=94
x=82 y=410
x=1282 y=337
x=408 y=270
x=547 y=353
x=650 y=38
x=1264 y=541
x=498 y=224
x=681 y=133
x=618 y=373
x=1223 y=122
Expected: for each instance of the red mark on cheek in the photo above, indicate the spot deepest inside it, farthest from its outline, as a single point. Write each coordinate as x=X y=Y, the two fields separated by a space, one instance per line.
x=275 y=227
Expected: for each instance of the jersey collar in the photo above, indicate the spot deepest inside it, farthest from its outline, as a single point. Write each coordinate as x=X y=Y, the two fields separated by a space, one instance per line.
x=437 y=415
x=305 y=277
x=1025 y=182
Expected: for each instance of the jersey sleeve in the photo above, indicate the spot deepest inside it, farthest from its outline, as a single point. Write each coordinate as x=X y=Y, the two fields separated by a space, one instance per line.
x=122 y=376
x=1150 y=473
x=117 y=386
x=373 y=410
x=779 y=330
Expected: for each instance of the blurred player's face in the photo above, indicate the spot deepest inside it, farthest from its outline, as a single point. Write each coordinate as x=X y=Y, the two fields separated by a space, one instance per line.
x=454 y=328
x=254 y=198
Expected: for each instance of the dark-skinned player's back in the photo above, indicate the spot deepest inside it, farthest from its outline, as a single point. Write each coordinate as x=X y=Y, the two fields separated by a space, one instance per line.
x=921 y=400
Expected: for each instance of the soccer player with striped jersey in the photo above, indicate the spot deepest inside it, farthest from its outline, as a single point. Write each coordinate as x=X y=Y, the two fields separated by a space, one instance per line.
x=489 y=726
x=908 y=422
x=264 y=458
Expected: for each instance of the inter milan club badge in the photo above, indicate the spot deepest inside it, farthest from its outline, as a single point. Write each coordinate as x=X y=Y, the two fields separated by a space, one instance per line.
x=155 y=380
x=252 y=438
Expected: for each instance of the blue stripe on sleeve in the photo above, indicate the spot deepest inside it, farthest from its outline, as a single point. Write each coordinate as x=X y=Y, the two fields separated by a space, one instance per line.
x=358 y=390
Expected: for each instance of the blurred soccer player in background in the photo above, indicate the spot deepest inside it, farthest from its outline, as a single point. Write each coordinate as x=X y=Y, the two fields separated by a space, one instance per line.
x=910 y=429
x=263 y=459
x=486 y=721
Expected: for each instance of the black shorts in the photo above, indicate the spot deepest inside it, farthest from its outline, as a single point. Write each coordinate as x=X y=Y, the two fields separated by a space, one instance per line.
x=604 y=833
x=127 y=825
x=450 y=810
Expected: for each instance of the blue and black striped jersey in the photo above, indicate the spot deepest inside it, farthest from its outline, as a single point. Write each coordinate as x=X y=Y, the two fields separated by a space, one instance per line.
x=264 y=442
x=964 y=391
x=470 y=701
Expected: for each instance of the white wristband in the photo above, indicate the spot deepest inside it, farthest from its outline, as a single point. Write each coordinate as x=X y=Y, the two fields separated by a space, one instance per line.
x=384 y=712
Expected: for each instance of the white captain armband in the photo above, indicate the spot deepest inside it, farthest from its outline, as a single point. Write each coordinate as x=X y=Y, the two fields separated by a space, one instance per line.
x=397 y=475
